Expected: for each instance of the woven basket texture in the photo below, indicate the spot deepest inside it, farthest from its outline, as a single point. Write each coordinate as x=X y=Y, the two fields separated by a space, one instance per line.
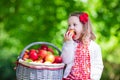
x=26 y=72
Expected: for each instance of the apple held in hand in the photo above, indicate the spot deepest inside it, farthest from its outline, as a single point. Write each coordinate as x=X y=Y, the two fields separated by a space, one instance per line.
x=72 y=32
x=58 y=59
x=50 y=58
x=33 y=55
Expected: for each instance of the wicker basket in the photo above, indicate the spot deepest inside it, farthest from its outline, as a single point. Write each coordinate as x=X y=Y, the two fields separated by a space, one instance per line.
x=41 y=71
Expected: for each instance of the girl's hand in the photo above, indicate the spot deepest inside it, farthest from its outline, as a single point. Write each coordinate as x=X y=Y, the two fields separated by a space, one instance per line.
x=68 y=36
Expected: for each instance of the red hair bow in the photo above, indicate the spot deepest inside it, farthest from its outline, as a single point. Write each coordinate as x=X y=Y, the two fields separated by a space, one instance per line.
x=83 y=18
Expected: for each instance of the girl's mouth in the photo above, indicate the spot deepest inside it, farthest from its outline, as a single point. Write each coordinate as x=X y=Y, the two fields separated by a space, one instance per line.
x=74 y=32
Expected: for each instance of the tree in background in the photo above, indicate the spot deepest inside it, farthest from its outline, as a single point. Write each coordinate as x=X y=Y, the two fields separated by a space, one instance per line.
x=26 y=21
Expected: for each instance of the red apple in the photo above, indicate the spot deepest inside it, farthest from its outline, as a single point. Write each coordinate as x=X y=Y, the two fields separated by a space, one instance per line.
x=58 y=59
x=51 y=50
x=44 y=47
x=42 y=53
x=32 y=50
x=50 y=58
x=33 y=55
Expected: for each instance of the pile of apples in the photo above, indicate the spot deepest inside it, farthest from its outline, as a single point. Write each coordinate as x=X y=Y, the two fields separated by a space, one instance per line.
x=43 y=54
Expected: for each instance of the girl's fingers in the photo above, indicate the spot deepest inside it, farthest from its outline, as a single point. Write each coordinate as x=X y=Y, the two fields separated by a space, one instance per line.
x=67 y=36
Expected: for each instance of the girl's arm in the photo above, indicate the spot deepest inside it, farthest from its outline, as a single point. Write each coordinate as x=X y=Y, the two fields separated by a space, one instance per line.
x=96 y=63
x=68 y=52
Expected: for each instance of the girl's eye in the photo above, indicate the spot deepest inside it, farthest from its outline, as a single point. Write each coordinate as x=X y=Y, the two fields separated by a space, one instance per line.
x=68 y=25
x=74 y=24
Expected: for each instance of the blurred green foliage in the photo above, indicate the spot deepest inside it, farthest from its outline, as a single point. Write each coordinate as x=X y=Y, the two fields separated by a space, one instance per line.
x=25 y=21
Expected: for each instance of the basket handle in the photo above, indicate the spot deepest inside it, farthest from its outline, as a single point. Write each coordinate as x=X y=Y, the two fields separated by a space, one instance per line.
x=36 y=43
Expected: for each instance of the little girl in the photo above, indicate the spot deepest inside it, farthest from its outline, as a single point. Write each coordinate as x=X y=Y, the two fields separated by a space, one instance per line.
x=80 y=53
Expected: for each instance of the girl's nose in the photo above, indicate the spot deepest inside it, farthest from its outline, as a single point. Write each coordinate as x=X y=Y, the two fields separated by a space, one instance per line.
x=71 y=27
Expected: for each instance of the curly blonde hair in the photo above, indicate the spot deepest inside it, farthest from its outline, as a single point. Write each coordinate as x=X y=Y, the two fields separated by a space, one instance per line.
x=87 y=33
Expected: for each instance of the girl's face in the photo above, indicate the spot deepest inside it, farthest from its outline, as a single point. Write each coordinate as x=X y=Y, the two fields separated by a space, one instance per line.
x=76 y=25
